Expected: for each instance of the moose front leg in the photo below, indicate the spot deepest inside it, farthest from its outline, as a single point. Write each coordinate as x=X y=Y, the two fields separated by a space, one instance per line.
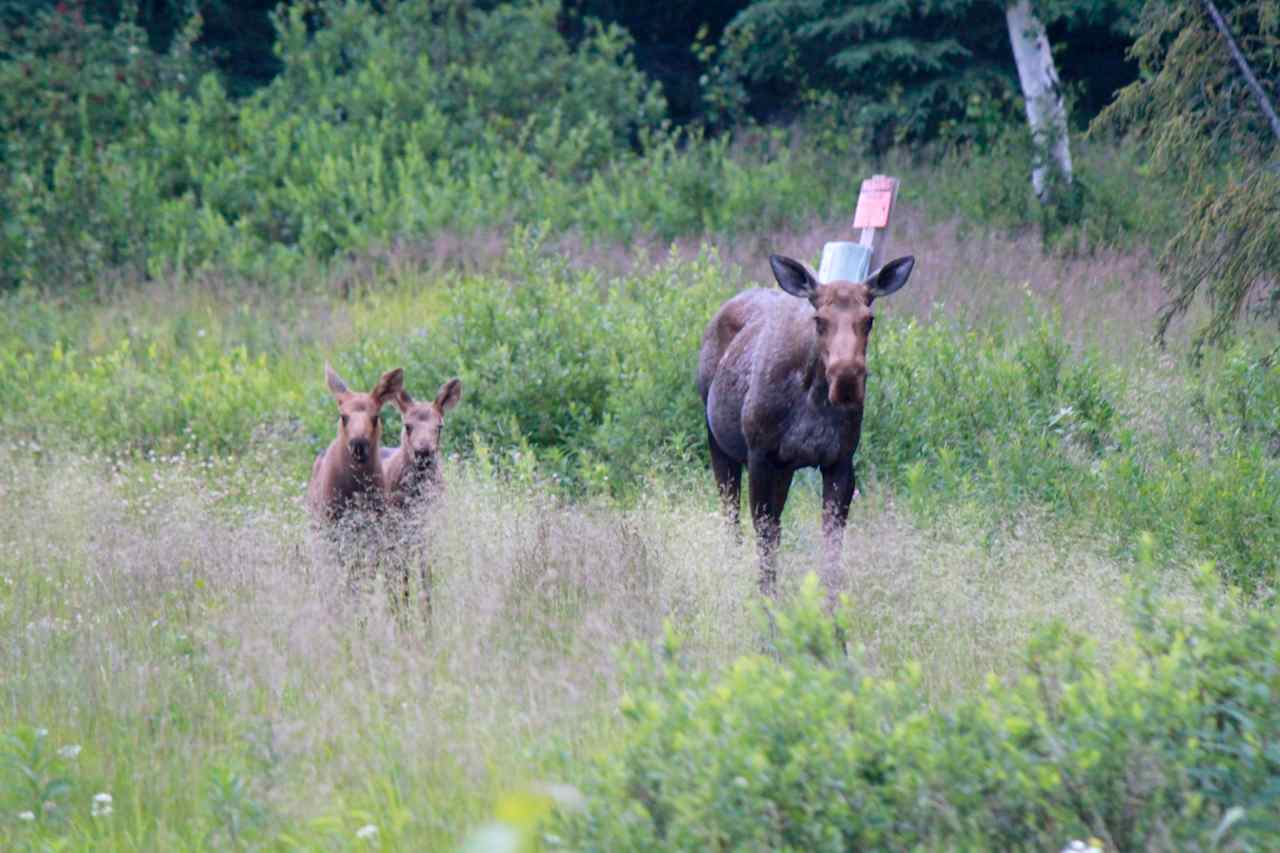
x=768 y=486
x=838 y=485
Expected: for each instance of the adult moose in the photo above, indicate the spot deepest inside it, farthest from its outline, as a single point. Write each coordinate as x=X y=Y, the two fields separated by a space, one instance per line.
x=348 y=474
x=783 y=377
x=413 y=469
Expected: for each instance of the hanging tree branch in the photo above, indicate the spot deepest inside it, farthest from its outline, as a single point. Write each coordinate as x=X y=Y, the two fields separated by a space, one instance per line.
x=1258 y=92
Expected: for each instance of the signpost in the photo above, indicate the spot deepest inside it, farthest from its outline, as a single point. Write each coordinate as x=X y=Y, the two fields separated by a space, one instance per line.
x=846 y=261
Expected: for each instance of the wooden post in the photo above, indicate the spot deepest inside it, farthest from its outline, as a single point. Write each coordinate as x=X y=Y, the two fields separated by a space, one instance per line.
x=844 y=261
x=875 y=206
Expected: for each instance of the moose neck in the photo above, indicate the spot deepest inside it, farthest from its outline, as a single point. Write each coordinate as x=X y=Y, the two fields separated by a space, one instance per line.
x=418 y=481
x=815 y=377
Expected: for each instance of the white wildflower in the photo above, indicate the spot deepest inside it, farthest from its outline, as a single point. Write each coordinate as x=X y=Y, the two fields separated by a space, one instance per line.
x=26 y=815
x=101 y=805
x=70 y=751
x=368 y=832
x=1093 y=845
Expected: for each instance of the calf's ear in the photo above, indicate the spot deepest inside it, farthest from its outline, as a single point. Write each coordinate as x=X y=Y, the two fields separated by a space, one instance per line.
x=334 y=381
x=403 y=401
x=891 y=277
x=449 y=395
x=794 y=277
x=389 y=385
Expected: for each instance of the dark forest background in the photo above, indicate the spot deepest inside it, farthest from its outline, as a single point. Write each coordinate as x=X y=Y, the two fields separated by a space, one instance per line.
x=1091 y=43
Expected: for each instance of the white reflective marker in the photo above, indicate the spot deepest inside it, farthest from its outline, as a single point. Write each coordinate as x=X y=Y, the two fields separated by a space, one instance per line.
x=844 y=262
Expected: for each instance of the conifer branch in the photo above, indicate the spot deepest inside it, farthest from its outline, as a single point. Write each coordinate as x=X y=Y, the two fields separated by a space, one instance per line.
x=1258 y=92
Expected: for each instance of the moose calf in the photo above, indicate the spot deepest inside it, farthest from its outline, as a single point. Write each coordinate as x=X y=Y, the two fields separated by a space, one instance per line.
x=413 y=469
x=348 y=475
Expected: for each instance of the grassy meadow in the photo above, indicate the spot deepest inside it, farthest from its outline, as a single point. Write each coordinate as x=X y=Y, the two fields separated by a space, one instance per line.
x=1054 y=615
x=181 y=642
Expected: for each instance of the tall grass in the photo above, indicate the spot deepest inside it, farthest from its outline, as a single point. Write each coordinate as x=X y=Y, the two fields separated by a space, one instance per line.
x=190 y=636
x=1000 y=377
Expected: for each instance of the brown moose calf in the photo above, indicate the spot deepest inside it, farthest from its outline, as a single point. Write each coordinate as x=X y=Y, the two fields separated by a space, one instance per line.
x=783 y=379
x=412 y=470
x=348 y=475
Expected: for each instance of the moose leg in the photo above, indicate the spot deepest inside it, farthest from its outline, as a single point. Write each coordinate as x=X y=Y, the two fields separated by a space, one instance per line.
x=768 y=486
x=838 y=485
x=728 y=474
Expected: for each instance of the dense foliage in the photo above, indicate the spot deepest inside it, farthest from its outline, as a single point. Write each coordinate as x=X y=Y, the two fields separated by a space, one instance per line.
x=1173 y=743
x=425 y=118
x=71 y=90
x=889 y=72
x=125 y=152
x=1193 y=111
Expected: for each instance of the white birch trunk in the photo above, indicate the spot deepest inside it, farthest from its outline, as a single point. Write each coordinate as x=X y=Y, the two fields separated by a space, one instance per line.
x=1042 y=91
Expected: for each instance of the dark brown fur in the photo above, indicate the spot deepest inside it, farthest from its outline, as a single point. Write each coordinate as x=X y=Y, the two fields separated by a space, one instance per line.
x=348 y=474
x=783 y=380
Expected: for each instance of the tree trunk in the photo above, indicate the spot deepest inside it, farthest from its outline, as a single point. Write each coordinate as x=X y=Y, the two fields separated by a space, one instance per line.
x=1042 y=91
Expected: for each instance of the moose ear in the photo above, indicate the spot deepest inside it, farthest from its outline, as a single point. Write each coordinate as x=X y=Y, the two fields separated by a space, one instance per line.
x=890 y=277
x=334 y=381
x=391 y=383
x=449 y=395
x=403 y=401
x=794 y=277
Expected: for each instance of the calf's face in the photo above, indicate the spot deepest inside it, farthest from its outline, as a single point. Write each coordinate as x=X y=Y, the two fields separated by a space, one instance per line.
x=359 y=421
x=424 y=422
x=842 y=321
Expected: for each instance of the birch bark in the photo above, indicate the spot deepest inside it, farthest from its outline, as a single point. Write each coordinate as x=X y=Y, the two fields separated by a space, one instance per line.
x=1042 y=92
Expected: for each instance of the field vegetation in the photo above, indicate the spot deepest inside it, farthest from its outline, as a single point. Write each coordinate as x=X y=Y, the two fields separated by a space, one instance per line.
x=1055 y=614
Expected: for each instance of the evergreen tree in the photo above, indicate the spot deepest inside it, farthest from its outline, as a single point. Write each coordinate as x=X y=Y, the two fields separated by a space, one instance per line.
x=898 y=68
x=1195 y=113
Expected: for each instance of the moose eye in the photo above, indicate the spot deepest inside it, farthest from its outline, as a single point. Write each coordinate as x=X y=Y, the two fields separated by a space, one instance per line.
x=344 y=420
x=408 y=427
x=821 y=324
x=375 y=421
x=871 y=321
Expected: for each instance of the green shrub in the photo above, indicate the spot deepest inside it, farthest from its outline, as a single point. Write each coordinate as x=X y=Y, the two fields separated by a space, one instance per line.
x=422 y=117
x=983 y=413
x=803 y=748
x=593 y=377
x=973 y=182
x=70 y=89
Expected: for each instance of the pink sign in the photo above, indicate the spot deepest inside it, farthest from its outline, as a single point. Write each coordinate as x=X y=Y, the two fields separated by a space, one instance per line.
x=875 y=201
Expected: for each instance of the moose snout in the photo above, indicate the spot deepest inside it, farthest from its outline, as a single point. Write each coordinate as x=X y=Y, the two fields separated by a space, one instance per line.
x=359 y=448
x=424 y=457
x=846 y=384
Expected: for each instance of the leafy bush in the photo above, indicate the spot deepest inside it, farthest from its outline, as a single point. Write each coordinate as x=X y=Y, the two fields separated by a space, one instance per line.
x=984 y=407
x=971 y=181
x=425 y=116
x=804 y=748
x=594 y=378
x=69 y=90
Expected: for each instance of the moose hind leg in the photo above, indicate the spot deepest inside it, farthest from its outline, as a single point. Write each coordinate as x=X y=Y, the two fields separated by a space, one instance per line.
x=728 y=474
